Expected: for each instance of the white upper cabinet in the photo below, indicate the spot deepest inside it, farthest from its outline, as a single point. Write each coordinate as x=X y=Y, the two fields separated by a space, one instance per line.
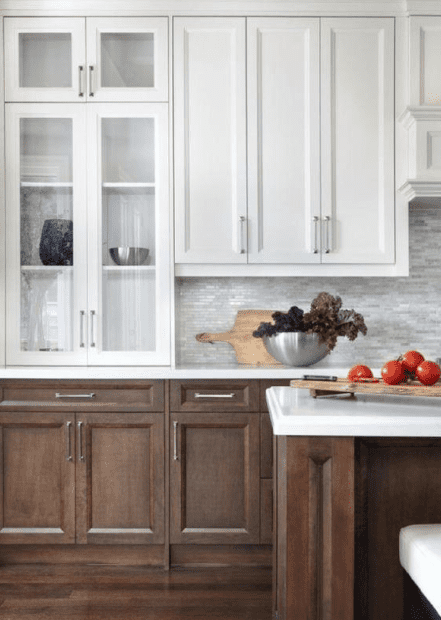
x=210 y=140
x=283 y=140
x=86 y=59
x=357 y=129
x=320 y=143
x=83 y=181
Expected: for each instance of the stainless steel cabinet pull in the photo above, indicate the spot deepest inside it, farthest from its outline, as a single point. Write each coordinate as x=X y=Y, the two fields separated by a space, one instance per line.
x=197 y=395
x=327 y=219
x=68 y=442
x=175 y=441
x=80 y=442
x=80 y=81
x=242 y=221
x=82 y=314
x=315 y=221
x=58 y=395
x=91 y=82
x=92 y=337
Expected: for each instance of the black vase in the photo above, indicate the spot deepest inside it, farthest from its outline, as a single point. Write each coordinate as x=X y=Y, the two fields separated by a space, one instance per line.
x=56 y=243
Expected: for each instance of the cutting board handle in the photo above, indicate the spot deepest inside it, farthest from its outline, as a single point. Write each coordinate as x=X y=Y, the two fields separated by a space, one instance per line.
x=212 y=338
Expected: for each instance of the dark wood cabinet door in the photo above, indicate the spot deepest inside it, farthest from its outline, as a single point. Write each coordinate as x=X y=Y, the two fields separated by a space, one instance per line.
x=120 y=478
x=214 y=478
x=37 y=478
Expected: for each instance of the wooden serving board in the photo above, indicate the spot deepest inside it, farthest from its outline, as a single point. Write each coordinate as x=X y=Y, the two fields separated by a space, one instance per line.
x=249 y=350
x=321 y=388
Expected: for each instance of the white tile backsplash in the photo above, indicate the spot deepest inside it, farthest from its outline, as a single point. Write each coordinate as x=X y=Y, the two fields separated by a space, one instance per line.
x=400 y=313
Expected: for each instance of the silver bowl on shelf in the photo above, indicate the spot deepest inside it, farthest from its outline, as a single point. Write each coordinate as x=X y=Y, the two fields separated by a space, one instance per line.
x=125 y=255
x=295 y=348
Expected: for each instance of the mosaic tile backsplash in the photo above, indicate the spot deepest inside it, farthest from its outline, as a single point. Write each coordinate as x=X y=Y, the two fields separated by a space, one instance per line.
x=400 y=313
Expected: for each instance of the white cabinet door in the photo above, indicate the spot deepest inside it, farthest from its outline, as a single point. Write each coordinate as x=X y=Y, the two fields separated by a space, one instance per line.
x=46 y=244
x=210 y=140
x=283 y=140
x=45 y=59
x=357 y=116
x=128 y=200
x=127 y=58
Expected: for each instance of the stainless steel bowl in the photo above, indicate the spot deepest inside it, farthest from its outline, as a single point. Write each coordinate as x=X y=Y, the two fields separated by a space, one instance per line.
x=125 y=255
x=295 y=348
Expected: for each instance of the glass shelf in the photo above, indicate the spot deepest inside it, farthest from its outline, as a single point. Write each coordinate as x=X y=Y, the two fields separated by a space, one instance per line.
x=44 y=184
x=122 y=268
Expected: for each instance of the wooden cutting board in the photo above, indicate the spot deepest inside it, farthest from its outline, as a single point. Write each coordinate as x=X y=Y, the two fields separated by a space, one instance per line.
x=377 y=386
x=249 y=350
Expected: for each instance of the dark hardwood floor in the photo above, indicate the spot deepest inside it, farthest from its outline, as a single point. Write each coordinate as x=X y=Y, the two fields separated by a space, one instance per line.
x=54 y=592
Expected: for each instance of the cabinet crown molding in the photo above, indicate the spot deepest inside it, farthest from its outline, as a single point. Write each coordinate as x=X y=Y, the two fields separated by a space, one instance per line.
x=187 y=7
x=420 y=113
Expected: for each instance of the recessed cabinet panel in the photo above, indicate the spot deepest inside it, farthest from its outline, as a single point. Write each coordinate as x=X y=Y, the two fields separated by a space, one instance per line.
x=283 y=140
x=357 y=116
x=210 y=140
x=425 y=61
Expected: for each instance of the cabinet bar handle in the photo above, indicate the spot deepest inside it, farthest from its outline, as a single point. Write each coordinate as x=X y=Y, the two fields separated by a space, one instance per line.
x=327 y=219
x=80 y=81
x=175 y=441
x=58 y=395
x=242 y=220
x=80 y=442
x=91 y=84
x=92 y=338
x=197 y=395
x=68 y=442
x=315 y=221
x=82 y=314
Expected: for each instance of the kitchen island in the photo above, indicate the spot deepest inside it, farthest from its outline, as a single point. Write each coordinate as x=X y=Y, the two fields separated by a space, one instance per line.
x=351 y=472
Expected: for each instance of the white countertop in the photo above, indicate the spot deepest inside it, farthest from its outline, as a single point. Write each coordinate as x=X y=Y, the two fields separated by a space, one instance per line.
x=199 y=371
x=294 y=411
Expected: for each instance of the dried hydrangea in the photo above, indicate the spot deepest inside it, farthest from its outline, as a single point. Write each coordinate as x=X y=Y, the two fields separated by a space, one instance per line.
x=329 y=321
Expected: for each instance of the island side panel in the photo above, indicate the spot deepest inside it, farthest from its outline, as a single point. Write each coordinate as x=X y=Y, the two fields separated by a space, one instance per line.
x=315 y=528
x=398 y=484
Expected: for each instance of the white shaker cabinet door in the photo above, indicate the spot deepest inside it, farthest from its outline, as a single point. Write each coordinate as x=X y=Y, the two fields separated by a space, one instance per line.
x=210 y=140
x=357 y=116
x=283 y=140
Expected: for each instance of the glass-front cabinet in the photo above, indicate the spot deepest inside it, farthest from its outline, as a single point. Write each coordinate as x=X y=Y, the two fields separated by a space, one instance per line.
x=88 y=234
x=86 y=59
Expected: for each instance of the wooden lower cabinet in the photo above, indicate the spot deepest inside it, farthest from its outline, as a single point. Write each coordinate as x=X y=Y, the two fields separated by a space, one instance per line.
x=85 y=478
x=120 y=478
x=37 y=478
x=214 y=478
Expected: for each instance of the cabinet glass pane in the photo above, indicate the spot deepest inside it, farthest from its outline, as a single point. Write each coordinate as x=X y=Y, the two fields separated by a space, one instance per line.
x=46 y=234
x=127 y=60
x=45 y=60
x=128 y=220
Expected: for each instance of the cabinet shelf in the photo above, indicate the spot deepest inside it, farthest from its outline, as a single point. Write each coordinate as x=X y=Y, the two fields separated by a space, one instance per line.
x=128 y=185
x=45 y=184
x=125 y=268
x=43 y=268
